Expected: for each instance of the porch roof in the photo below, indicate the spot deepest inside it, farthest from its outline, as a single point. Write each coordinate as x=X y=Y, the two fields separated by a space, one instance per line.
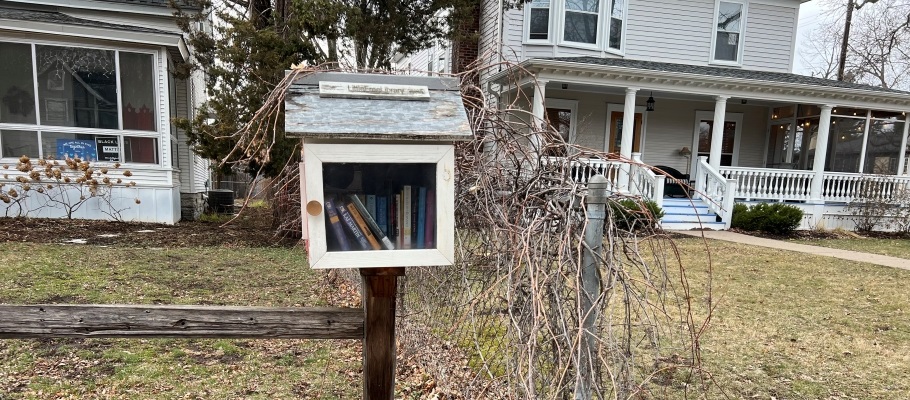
x=709 y=81
x=52 y=17
x=57 y=23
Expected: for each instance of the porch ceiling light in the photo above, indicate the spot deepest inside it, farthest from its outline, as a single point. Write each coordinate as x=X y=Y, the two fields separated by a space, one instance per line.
x=650 y=102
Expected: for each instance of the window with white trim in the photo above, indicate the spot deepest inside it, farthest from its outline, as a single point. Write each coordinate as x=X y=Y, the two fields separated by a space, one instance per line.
x=598 y=24
x=539 y=20
x=728 y=37
x=59 y=101
x=617 y=22
x=580 y=24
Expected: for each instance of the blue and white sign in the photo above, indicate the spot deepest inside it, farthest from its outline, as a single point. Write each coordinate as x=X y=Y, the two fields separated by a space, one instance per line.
x=83 y=149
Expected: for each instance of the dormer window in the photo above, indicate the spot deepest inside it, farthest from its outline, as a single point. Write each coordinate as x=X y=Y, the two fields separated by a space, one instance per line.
x=595 y=24
x=728 y=36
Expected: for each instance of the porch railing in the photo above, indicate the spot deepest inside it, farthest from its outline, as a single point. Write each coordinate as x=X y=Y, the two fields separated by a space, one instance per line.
x=644 y=182
x=796 y=185
x=846 y=187
x=717 y=191
x=582 y=169
x=770 y=183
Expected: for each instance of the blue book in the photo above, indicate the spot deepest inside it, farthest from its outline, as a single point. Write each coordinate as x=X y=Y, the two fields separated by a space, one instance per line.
x=382 y=211
x=335 y=222
x=421 y=216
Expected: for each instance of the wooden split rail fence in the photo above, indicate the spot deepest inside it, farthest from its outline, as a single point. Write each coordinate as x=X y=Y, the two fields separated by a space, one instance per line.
x=374 y=324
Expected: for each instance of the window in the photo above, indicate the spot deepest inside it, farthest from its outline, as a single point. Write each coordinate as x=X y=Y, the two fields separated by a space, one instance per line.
x=108 y=95
x=137 y=80
x=591 y=23
x=581 y=21
x=539 y=25
x=728 y=39
x=15 y=144
x=16 y=88
x=883 y=148
x=617 y=15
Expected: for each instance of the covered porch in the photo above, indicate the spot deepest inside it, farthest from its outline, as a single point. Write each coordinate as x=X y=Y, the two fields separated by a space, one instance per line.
x=739 y=135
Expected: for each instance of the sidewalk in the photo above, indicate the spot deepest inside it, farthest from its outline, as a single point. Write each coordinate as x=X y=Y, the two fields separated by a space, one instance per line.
x=886 y=261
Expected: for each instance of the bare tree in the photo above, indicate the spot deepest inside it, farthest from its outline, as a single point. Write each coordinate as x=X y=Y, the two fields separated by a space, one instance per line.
x=876 y=48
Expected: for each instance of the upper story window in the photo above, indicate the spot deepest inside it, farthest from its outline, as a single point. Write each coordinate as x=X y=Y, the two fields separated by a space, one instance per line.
x=539 y=21
x=590 y=23
x=65 y=101
x=581 y=21
x=617 y=15
x=728 y=37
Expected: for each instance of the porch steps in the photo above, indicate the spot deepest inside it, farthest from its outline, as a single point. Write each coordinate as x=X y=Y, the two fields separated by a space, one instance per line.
x=686 y=214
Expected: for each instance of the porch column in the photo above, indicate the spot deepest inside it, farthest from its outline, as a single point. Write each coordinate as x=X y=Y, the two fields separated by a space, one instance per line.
x=628 y=131
x=903 y=154
x=821 y=152
x=537 y=113
x=717 y=133
x=537 y=105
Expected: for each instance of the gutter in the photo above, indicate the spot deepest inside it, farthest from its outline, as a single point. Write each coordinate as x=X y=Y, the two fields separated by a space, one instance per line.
x=537 y=64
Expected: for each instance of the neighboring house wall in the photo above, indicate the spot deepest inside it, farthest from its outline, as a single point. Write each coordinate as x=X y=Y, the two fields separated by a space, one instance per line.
x=161 y=164
x=663 y=31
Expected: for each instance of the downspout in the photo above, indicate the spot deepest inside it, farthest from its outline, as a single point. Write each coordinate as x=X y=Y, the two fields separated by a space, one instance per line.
x=499 y=24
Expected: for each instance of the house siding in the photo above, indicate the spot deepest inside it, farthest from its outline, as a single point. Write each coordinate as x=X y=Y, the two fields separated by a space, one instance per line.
x=670 y=31
x=769 y=37
x=673 y=31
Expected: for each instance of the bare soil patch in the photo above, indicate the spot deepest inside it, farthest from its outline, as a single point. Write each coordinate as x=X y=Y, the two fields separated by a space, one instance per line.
x=253 y=228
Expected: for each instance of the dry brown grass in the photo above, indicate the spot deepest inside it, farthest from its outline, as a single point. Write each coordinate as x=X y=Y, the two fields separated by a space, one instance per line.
x=791 y=325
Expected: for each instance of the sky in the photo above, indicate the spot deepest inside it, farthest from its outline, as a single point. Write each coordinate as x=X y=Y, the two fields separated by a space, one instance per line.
x=809 y=18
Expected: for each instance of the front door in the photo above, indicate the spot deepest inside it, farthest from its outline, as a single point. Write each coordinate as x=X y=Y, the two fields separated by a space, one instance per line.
x=615 y=141
x=704 y=127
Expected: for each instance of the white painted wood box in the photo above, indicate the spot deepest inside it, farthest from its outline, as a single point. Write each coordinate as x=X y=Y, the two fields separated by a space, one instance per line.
x=378 y=170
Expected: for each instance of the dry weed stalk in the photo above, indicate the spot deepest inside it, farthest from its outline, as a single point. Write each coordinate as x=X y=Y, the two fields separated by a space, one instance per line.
x=504 y=321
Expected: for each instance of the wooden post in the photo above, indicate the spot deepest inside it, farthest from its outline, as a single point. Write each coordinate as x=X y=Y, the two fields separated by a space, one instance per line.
x=590 y=277
x=380 y=286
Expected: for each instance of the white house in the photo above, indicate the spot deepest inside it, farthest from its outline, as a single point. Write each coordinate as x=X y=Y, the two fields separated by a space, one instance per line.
x=718 y=75
x=96 y=72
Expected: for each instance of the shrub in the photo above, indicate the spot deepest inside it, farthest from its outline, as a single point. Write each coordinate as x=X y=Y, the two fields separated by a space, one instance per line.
x=630 y=215
x=774 y=218
x=740 y=217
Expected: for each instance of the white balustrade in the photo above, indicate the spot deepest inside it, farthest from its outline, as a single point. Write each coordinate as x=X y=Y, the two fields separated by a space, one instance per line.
x=795 y=185
x=769 y=183
x=717 y=191
x=644 y=182
x=582 y=169
x=847 y=187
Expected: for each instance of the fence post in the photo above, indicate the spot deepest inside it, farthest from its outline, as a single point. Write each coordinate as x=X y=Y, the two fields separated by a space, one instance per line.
x=589 y=275
x=380 y=286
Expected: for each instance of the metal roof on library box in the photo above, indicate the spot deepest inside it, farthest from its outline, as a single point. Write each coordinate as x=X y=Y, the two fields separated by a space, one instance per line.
x=438 y=114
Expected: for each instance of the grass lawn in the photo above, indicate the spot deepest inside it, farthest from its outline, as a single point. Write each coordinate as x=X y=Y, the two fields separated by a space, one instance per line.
x=899 y=248
x=170 y=368
x=795 y=326
x=787 y=325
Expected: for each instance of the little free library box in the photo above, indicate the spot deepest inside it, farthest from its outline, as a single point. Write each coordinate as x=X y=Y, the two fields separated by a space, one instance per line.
x=378 y=170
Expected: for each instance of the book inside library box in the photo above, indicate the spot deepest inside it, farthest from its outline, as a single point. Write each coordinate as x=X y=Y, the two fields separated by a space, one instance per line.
x=373 y=206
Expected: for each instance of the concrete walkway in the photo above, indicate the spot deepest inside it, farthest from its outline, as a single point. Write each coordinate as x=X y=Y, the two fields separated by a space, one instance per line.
x=886 y=261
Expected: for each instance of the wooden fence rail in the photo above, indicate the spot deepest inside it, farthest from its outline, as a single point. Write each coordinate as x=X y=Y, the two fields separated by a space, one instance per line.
x=166 y=321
